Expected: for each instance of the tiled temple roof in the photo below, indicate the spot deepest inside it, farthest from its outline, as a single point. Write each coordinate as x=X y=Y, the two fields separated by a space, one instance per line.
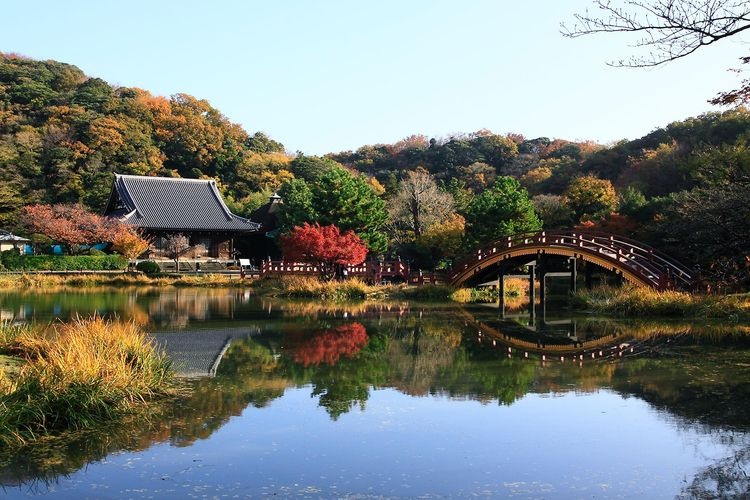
x=173 y=203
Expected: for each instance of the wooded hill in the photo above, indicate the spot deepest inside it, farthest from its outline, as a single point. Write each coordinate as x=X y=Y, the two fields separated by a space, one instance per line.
x=682 y=188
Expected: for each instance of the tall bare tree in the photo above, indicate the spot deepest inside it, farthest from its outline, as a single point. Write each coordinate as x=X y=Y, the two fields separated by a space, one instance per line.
x=419 y=203
x=669 y=30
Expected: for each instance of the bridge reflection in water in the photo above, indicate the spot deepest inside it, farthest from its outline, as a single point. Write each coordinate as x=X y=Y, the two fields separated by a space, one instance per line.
x=558 y=339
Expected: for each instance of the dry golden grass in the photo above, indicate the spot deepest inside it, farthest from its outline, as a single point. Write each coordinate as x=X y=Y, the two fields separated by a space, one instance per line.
x=79 y=374
x=639 y=301
x=93 y=351
x=7 y=385
x=310 y=287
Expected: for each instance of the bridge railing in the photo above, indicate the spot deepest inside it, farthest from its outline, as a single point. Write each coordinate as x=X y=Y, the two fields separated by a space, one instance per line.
x=654 y=267
x=373 y=270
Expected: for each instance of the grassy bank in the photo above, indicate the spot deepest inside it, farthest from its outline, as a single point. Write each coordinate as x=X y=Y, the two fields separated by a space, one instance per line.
x=638 y=302
x=300 y=287
x=47 y=281
x=76 y=375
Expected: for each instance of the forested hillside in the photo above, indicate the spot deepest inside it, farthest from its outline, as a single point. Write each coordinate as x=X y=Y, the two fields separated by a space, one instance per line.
x=63 y=134
x=682 y=188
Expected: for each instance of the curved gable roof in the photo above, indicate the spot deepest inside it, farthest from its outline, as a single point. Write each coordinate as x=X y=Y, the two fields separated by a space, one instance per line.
x=174 y=203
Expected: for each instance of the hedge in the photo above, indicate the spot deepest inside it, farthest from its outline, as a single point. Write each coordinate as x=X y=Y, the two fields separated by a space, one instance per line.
x=12 y=261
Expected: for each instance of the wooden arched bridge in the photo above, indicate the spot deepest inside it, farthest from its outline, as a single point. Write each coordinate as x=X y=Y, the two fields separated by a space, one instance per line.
x=635 y=262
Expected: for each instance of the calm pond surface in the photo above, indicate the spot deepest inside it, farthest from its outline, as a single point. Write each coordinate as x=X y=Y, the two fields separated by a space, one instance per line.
x=404 y=399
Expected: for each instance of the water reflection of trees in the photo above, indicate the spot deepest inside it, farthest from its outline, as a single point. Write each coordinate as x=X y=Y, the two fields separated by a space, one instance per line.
x=727 y=478
x=341 y=361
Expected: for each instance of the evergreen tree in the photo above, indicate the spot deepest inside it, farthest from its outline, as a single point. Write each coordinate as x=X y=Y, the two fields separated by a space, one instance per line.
x=502 y=210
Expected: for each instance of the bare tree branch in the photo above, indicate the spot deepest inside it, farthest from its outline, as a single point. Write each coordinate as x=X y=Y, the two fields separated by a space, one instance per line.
x=672 y=29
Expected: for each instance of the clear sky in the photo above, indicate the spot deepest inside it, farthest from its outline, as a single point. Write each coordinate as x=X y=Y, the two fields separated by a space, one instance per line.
x=332 y=75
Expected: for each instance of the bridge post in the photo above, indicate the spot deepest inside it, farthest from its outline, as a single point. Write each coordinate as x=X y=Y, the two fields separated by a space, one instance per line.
x=542 y=272
x=501 y=292
x=532 y=293
x=573 y=274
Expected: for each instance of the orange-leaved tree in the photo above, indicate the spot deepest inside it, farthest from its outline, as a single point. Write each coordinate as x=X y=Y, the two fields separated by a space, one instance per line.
x=325 y=246
x=129 y=242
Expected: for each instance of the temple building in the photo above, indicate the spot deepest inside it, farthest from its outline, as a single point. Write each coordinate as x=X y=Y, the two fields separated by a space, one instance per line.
x=164 y=206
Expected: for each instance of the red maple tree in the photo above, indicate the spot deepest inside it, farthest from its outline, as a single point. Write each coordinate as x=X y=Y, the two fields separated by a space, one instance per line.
x=323 y=245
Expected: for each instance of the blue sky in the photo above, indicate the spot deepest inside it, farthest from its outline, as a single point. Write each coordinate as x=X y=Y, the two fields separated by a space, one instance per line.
x=324 y=76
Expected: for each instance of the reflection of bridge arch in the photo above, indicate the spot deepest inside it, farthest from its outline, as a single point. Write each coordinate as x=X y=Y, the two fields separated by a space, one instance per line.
x=606 y=347
x=636 y=262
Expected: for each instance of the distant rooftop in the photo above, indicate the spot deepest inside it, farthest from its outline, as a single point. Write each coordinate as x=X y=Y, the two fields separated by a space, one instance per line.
x=267 y=214
x=173 y=203
x=6 y=236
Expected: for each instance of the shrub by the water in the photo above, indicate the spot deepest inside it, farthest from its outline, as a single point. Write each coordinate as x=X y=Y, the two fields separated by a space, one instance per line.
x=76 y=375
x=148 y=267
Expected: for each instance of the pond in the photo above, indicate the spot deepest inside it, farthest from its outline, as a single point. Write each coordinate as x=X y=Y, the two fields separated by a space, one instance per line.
x=404 y=399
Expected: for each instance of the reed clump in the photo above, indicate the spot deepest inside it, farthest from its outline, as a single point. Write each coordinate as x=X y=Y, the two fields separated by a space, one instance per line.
x=207 y=280
x=310 y=287
x=639 y=301
x=77 y=375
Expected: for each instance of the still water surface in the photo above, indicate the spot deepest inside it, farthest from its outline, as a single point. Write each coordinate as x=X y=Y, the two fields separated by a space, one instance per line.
x=406 y=400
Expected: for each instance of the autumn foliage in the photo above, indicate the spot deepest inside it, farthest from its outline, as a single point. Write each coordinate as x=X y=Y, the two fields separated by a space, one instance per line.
x=613 y=223
x=323 y=245
x=128 y=242
x=327 y=346
x=75 y=226
x=71 y=225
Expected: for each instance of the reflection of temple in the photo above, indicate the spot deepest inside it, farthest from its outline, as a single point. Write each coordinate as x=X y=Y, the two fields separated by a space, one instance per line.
x=197 y=353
